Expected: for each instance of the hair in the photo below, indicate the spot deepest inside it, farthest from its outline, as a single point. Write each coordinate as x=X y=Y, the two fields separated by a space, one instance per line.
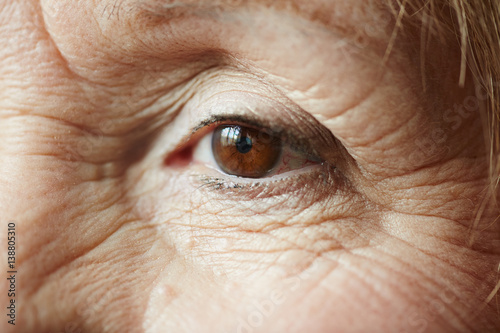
x=476 y=26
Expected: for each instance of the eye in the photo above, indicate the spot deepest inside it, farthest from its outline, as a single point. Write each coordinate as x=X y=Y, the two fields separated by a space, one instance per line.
x=247 y=151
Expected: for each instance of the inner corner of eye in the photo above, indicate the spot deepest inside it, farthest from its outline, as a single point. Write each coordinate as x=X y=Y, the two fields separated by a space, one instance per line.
x=180 y=158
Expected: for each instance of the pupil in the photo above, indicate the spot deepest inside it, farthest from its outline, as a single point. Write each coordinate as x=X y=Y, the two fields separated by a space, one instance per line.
x=244 y=145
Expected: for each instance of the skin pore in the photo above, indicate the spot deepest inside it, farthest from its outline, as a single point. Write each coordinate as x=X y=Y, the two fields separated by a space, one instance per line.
x=382 y=236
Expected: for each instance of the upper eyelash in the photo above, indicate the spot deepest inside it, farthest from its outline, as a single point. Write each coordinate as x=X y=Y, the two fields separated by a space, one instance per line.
x=286 y=137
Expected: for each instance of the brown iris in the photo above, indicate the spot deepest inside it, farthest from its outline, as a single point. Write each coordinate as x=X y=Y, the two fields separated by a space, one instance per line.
x=245 y=152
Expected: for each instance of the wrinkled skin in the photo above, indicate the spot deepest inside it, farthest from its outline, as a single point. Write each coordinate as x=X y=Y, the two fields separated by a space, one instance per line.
x=97 y=95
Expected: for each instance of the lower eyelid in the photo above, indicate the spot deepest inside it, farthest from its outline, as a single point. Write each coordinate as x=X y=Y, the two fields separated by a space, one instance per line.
x=311 y=181
x=249 y=182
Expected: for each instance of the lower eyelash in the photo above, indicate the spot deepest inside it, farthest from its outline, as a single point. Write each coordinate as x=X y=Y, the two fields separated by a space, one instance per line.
x=215 y=183
x=324 y=176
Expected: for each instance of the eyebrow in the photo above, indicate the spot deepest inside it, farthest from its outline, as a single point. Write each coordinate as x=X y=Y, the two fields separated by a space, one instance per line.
x=164 y=6
x=322 y=12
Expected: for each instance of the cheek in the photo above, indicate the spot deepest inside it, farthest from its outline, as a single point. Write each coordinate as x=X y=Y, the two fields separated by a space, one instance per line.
x=273 y=265
x=266 y=281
